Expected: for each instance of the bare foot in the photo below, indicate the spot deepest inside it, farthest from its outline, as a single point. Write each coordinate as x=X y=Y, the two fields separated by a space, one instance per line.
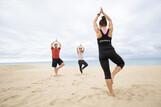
x=56 y=71
x=111 y=94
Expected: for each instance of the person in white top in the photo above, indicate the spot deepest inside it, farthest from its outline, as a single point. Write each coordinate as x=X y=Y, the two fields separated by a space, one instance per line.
x=82 y=63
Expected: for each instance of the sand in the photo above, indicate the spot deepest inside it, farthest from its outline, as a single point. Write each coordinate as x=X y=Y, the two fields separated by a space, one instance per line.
x=30 y=85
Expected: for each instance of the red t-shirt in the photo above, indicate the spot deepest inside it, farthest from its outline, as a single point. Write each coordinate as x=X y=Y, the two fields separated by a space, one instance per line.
x=55 y=52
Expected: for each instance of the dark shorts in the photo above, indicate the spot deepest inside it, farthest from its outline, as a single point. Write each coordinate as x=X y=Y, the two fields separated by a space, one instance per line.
x=56 y=61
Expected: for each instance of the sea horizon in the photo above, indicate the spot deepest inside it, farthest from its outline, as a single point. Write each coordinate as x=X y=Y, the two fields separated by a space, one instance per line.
x=95 y=62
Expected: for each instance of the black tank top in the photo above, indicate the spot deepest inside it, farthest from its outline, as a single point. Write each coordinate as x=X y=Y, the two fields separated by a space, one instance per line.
x=104 y=43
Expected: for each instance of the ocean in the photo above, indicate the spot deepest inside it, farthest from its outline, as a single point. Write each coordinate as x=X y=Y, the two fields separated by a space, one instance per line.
x=128 y=62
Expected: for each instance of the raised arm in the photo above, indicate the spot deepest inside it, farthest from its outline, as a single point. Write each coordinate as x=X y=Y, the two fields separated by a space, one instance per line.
x=83 y=49
x=52 y=44
x=95 y=26
x=59 y=44
x=110 y=22
x=77 y=50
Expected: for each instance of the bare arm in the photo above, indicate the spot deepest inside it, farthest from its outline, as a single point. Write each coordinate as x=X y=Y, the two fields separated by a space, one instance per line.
x=52 y=44
x=58 y=43
x=77 y=50
x=95 y=26
x=83 y=49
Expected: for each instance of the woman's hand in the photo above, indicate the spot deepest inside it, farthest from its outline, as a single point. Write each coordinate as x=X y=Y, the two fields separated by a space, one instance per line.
x=101 y=11
x=110 y=22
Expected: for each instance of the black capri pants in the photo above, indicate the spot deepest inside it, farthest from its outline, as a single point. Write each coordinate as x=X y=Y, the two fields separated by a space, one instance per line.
x=104 y=61
x=81 y=63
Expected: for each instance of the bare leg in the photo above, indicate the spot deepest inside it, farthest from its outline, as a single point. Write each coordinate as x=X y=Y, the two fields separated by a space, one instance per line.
x=55 y=72
x=115 y=71
x=60 y=66
x=109 y=85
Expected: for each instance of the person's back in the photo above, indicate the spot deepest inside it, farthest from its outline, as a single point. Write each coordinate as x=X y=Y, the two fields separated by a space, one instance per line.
x=81 y=61
x=80 y=53
x=106 y=50
x=105 y=41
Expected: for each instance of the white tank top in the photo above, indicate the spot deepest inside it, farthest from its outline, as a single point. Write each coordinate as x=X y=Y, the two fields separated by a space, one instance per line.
x=80 y=55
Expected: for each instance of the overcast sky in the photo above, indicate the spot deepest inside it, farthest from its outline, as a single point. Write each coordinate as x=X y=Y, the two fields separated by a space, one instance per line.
x=27 y=28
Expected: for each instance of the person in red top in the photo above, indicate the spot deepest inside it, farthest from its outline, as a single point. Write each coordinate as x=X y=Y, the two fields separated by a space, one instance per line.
x=55 y=49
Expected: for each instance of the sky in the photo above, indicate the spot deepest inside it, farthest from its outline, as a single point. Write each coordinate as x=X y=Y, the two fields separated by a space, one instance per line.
x=27 y=28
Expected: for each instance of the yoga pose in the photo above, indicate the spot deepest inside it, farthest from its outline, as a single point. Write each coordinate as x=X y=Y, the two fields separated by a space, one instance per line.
x=106 y=50
x=55 y=48
x=81 y=62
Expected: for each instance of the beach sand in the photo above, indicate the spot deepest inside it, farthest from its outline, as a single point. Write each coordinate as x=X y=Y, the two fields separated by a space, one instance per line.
x=30 y=85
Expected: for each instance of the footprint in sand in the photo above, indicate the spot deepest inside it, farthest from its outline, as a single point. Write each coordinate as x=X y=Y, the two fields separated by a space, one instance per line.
x=16 y=88
x=82 y=98
x=91 y=96
x=49 y=86
x=135 y=92
x=96 y=88
x=36 y=91
x=11 y=97
x=8 y=89
x=22 y=88
x=36 y=83
x=42 y=81
x=52 y=102
x=76 y=83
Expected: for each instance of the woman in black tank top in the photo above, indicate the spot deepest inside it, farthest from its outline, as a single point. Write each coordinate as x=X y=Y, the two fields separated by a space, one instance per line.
x=106 y=50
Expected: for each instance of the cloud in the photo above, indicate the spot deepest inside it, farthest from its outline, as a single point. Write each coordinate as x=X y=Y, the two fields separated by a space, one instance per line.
x=28 y=27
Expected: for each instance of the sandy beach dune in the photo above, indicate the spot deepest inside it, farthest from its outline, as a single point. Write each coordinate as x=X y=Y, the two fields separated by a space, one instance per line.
x=30 y=85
